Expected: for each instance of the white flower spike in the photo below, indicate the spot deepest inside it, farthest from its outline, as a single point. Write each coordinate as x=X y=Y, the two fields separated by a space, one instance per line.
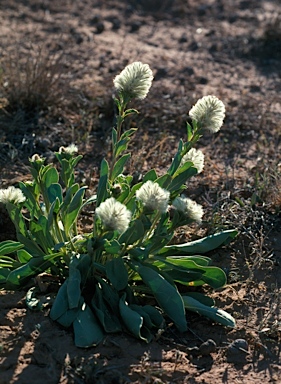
x=134 y=81
x=209 y=113
x=196 y=156
x=189 y=208
x=11 y=195
x=153 y=196
x=114 y=215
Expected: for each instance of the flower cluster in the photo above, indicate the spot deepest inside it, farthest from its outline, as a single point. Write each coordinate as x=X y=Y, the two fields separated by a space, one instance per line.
x=11 y=195
x=209 y=113
x=197 y=158
x=134 y=81
x=189 y=208
x=153 y=197
x=114 y=215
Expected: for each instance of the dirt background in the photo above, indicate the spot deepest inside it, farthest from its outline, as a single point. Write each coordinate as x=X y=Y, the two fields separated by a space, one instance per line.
x=231 y=49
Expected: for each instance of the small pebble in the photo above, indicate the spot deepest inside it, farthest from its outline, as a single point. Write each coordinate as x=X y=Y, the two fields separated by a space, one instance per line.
x=237 y=351
x=208 y=347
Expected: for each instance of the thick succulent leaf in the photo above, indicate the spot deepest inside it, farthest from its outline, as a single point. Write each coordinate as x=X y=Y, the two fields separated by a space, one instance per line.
x=166 y=295
x=60 y=305
x=200 y=246
x=87 y=329
x=117 y=273
x=215 y=314
x=73 y=287
x=213 y=276
x=134 y=321
x=104 y=313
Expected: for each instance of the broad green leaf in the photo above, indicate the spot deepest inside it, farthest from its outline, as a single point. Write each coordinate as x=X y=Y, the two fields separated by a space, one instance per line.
x=202 y=245
x=50 y=177
x=70 y=315
x=4 y=273
x=155 y=316
x=54 y=191
x=60 y=305
x=73 y=287
x=112 y=247
x=213 y=276
x=21 y=275
x=73 y=209
x=87 y=329
x=117 y=273
x=150 y=175
x=23 y=256
x=107 y=317
x=203 y=299
x=119 y=166
x=198 y=259
x=9 y=246
x=166 y=295
x=181 y=179
x=215 y=314
x=146 y=318
x=31 y=246
x=30 y=202
x=134 y=321
x=70 y=192
x=184 y=277
x=164 y=181
x=102 y=192
x=110 y=295
x=133 y=233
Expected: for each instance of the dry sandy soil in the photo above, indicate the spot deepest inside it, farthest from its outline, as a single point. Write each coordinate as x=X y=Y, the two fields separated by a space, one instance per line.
x=231 y=49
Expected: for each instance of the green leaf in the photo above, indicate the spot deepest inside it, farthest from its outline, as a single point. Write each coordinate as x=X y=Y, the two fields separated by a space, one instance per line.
x=133 y=233
x=87 y=329
x=117 y=273
x=50 y=177
x=150 y=175
x=102 y=192
x=67 y=318
x=17 y=218
x=214 y=314
x=176 y=160
x=54 y=191
x=179 y=181
x=73 y=209
x=133 y=321
x=60 y=305
x=164 y=181
x=155 y=316
x=203 y=299
x=73 y=287
x=113 y=247
x=9 y=246
x=23 y=256
x=213 y=276
x=107 y=317
x=202 y=245
x=166 y=295
x=119 y=166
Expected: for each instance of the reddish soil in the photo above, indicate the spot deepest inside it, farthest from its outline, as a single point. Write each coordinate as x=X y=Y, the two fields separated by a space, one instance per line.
x=194 y=48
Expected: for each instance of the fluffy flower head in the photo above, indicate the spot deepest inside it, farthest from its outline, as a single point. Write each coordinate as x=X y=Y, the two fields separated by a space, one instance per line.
x=189 y=208
x=71 y=149
x=134 y=81
x=114 y=215
x=196 y=156
x=11 y=195
x=209 y=113
x=153 y=196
